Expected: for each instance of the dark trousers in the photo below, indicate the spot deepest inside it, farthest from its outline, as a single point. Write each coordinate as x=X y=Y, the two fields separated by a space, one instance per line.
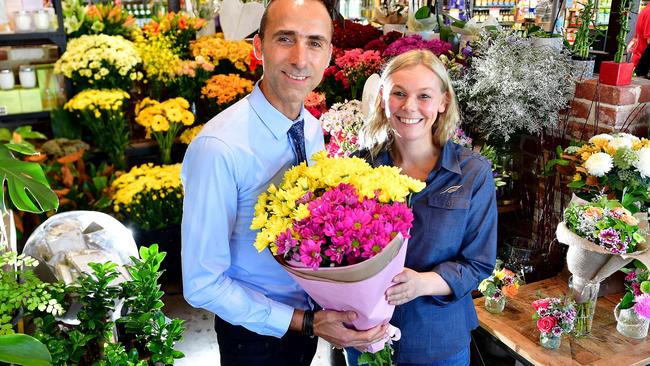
x=239 y=346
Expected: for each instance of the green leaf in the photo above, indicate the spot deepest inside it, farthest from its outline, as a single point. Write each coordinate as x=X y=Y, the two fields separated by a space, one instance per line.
x=27 y=133
x=5 y=134
x=645 y=287
x=28 y=188
x=24 y=148
x=22 y=349
x=423 y=13
x=627 y=301
x=576 y=184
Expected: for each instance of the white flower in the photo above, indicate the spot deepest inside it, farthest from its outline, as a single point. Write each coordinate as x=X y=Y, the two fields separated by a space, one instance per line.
x=643 y=164
x=571 y=150
x=628 y=136
x=619 y=142
x=600 y=164
x=601 y=136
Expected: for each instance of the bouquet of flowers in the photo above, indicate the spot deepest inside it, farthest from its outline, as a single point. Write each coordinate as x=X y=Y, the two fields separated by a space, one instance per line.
x=357 y=65
x=158 y=61
x=180 y=27
x=106 y=19
x=611 y=163
x=502 y=283
x=334 y=85
x=100 y=62
x=353 y=35
x=555 y=316
x=102 y=111
x=337 y=226
x=227 y=56
x=459 y=137
x=190 y=76
x=315 y=103
x=414 y=42
x=342 y=123
x=149 y=196
x=221 y=91
x=164 y=120
x=633 y=312
x=602 y=237
x=189 y=134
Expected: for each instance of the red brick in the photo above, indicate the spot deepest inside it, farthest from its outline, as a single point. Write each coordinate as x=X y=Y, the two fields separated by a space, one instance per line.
x=580 y=130
x=644 y=83
x=619 y=95
x=586 y=89
x=579 y=108
x=614 y=116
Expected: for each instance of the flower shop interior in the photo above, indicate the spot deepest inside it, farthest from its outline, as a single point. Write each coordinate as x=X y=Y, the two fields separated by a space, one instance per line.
x=100 y=99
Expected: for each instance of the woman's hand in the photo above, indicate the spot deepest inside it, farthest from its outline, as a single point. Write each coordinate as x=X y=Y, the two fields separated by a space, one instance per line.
x=407 y=287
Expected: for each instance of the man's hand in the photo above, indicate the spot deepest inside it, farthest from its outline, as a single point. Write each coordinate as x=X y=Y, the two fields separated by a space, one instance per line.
x=408 y=285
x=328 y=325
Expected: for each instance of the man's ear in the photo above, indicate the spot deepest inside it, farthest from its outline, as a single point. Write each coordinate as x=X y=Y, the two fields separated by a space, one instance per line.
x=257 y=47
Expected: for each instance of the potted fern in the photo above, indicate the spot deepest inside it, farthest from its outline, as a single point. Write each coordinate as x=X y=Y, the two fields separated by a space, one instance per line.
x=586 y=34
x=618 y=72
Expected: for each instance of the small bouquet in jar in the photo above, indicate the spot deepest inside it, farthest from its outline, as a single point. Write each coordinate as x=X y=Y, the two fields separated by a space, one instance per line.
x=554 y=316
x=501 y=284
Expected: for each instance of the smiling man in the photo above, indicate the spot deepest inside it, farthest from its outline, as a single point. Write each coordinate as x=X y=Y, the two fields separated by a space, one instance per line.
x=262 y=316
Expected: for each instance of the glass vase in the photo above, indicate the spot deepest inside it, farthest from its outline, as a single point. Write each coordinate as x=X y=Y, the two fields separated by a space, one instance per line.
x=630 y=324
x=585 y=294
x=495 y=305
x=550 y=341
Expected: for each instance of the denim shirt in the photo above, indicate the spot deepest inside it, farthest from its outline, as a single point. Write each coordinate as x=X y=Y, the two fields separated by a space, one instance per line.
x=454 y=234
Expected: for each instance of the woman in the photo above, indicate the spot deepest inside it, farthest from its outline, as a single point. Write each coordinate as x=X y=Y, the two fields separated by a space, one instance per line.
x=453 y=243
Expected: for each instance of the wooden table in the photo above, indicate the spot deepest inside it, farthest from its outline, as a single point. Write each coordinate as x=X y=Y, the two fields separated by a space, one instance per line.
x=516 y=329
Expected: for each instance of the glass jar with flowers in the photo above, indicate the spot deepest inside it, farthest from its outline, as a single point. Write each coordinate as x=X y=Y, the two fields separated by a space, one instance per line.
x=102 y=111
x=633 y=312
x=164 y=120
x=501 y=284
x=602 y=236
x=554 y=316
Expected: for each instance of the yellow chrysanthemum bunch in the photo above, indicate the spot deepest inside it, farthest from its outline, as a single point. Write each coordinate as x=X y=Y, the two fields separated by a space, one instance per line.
x=188 y=135
x=100 y=61
x=150 y=196
x=159 y=60
x=97 y=100
x=224 y=90
x=215 y=48
x=158 y=116
x=276 y=208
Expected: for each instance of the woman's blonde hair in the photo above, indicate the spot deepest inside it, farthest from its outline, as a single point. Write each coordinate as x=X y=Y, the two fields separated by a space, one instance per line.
x=376 y=133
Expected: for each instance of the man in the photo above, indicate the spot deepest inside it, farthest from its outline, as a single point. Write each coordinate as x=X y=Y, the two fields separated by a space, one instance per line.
x=262 y=315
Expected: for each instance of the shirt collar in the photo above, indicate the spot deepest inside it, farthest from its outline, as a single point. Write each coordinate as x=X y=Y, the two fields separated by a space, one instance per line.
x=448 y=159
x=274 y=120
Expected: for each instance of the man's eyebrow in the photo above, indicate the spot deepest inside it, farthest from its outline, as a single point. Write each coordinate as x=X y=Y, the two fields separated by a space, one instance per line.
x=291 y=33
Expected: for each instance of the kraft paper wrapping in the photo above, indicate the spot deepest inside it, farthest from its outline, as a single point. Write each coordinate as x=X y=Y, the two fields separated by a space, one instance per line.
x=589 y=262
x=359 y=288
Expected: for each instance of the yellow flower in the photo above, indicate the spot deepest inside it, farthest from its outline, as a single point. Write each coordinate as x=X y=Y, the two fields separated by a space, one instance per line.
x=188 y=135
x=226 y=89
x=215 y=48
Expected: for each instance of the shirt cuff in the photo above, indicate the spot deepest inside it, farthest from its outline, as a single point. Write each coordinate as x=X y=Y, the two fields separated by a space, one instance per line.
x=279 y=320
x=451 y=276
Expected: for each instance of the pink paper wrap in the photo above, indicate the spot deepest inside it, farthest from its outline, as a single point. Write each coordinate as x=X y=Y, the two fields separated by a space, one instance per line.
x=366 y=297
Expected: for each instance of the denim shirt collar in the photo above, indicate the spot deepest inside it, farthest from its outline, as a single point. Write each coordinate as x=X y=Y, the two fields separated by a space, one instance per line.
x=274 y=120
x=448 y=160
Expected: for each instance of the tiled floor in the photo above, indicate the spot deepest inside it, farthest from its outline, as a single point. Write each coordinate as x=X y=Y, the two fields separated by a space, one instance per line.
x=200 y=341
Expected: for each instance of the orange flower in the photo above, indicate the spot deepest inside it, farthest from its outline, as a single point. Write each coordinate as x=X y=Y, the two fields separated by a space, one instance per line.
x=510 y=290
x=182 y=23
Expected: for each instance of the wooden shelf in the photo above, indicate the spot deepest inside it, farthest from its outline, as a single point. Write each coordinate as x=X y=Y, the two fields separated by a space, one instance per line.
x=20 y=119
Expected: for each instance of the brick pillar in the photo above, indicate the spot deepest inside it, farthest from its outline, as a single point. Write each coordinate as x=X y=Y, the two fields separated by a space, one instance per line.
x=607 y=108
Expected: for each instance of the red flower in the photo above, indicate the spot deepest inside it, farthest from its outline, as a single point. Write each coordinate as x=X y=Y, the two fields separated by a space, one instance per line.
x=541 y=303
x=546 y=324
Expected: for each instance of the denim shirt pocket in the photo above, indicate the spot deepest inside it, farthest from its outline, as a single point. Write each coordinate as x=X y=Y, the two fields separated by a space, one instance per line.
x=448 y=201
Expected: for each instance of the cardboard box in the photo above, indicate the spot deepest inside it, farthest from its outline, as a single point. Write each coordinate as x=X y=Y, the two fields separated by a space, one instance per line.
x=30 y=100
x=10 y=102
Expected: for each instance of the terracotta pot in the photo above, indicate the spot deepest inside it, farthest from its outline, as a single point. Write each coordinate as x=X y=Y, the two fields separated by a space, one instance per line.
x=612 y=73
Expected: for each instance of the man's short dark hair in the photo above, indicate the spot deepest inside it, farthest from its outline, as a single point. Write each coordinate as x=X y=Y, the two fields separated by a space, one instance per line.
x=326 y=4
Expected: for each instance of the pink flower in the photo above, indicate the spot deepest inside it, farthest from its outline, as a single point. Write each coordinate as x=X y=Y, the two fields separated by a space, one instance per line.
x=541 y=304
x=642 y=305
x=546 y=324
x=285 y=242
x=310 y=253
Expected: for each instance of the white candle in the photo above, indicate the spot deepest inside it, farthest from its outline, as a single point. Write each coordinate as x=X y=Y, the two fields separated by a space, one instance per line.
x=42 y=20
x=22 y=21
x=27 y=76
x=6 y=79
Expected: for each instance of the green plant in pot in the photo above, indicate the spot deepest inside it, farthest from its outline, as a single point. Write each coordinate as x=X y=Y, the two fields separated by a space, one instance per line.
x=619 y=71
x=585 y=37
x=541 y=38
x=28 y=191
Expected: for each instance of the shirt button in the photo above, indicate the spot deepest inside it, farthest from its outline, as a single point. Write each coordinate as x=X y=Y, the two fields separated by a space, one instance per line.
x=448 y=204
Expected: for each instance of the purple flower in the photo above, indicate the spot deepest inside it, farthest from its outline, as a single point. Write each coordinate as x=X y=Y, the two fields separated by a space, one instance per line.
x=642 y=305
x=285 y=242
x=610 y=239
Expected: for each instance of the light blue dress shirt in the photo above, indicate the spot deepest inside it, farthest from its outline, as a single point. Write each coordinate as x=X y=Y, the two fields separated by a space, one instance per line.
x=236 y=156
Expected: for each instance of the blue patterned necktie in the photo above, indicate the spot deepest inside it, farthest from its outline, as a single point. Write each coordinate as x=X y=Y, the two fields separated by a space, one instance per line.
x=297 y=137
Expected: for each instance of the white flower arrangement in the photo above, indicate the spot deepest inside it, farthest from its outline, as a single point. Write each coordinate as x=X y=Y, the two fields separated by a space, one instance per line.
x=343 y=122
x=512 y=87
